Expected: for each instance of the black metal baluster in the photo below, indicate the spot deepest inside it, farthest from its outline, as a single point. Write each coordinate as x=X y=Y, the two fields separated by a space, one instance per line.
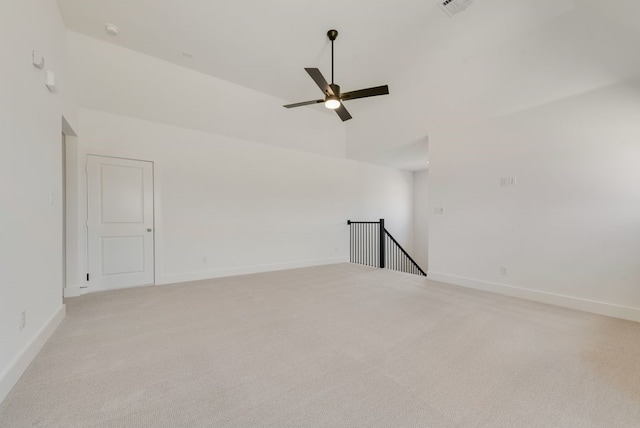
x=367 y=249
x=366 y=246
x=357 y=243
x=360 y=243
x=374 y=246
x=393 y=256
x=374 y=250
x=350 y=243
x=374 y=232
x=387 y=251
x=369 y=245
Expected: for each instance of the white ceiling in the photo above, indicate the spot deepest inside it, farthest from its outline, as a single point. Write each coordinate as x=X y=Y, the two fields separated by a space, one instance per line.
x=264 y=44
x=497 y=56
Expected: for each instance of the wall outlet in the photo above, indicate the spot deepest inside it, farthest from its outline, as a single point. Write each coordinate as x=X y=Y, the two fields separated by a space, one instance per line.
x=23 y=320
x=504 y=271
x=438 y=210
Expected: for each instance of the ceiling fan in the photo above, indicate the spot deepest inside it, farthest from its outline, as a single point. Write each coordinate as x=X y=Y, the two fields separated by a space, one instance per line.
x=332 y=97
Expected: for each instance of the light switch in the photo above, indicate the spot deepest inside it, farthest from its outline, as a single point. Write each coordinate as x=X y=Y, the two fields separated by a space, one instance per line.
x=37 y=60
x=50 y=81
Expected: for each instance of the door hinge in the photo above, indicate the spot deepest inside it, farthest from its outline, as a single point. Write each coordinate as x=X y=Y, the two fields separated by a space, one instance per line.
x=87 y=277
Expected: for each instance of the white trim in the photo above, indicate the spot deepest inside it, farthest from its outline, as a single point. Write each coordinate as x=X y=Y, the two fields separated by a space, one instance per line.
x=18 y=366
x=601 y=308
x=82 y=205
x=97 y=289
x=72 y=291
x=219 y=273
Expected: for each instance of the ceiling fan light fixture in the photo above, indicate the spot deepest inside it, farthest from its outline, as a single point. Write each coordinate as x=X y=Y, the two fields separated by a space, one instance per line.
x=332 y=103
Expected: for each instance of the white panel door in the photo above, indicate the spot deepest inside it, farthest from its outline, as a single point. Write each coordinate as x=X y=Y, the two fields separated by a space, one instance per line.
x=119 y=222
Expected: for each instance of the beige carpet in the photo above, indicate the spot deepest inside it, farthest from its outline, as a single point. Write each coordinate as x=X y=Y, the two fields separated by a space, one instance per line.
x=331 y=346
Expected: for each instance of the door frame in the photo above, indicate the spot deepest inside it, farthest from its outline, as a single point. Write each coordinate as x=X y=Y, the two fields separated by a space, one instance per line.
x=63 y=200
x=78 y=285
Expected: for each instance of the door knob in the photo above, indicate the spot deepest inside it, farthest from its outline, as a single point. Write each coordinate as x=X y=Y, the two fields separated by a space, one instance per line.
x=149 y=230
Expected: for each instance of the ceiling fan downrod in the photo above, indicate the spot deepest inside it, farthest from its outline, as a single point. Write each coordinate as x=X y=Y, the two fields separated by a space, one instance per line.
x=332 y=34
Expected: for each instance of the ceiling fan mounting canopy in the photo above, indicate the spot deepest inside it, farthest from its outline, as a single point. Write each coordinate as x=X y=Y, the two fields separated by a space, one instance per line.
x=333 y=98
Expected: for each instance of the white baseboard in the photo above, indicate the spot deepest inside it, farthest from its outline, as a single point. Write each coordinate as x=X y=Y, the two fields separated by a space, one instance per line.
x=12 y=374
x=601 y=308
x=220 y=273
x=72 y=291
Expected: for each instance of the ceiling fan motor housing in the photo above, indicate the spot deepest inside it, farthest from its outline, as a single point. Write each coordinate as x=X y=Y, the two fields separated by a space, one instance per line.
x=336 y=90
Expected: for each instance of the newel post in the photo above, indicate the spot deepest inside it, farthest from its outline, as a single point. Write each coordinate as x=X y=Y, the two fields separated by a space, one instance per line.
x=382 y=240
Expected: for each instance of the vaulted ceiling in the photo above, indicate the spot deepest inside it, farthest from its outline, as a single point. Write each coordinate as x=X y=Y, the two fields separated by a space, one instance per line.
x=496 y=57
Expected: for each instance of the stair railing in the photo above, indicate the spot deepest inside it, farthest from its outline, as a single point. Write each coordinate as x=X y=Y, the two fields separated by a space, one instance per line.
x=371 y=244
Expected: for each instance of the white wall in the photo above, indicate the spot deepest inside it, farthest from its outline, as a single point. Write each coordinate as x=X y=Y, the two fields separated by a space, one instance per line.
x=30 y=181
x=569 y=231
x=229 y=206
x=421 y=218
x=497 y=59
x=243 y=184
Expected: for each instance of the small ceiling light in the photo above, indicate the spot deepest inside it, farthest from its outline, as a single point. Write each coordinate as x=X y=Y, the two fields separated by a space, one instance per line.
x=332 y=103
x=111 y=29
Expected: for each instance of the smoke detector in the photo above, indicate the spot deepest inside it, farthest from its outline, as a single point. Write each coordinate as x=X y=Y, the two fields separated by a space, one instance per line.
x=452 y=7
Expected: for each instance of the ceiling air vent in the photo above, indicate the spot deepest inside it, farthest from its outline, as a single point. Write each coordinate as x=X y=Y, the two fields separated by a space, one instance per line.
x=451 y=7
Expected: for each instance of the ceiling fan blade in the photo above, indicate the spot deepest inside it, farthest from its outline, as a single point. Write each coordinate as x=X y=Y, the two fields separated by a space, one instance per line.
x=363 y=93
x=320 y=80
x=304 y=103
x=343 y=113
